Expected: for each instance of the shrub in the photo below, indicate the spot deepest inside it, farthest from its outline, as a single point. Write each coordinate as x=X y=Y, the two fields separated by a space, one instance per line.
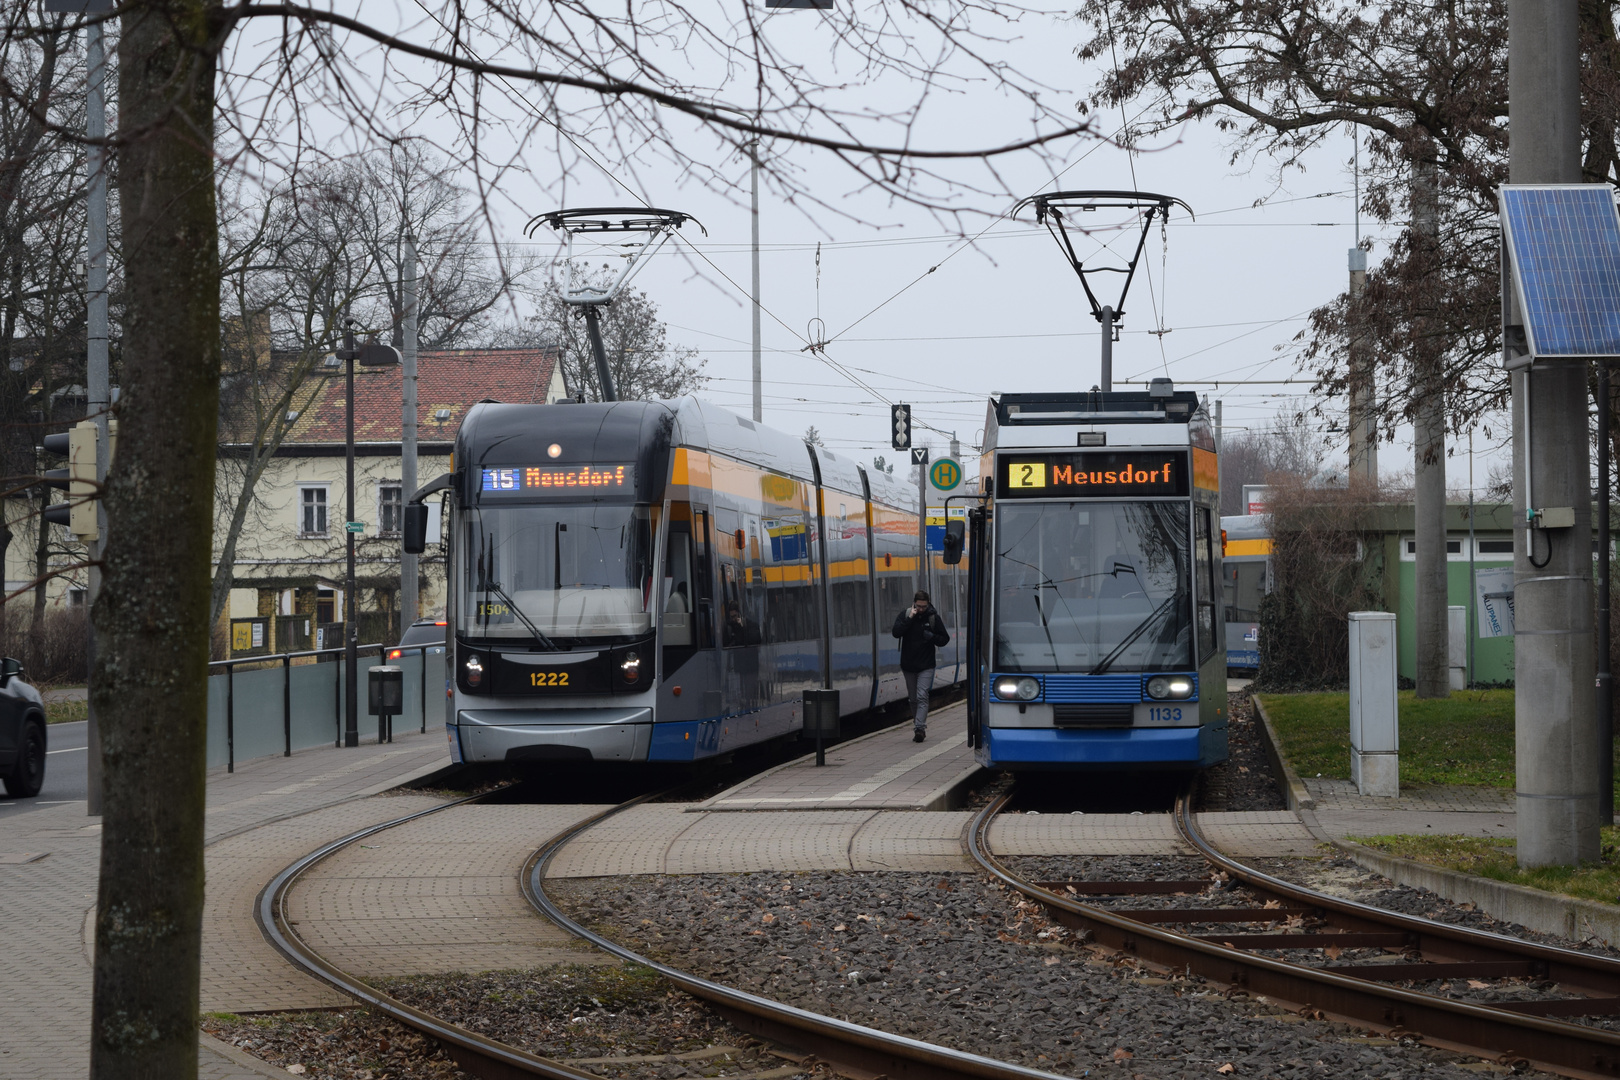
x=1325 y=564
x=55 y=651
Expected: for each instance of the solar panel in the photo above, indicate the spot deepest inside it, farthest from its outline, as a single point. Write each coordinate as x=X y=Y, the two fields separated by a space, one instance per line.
x=1563 y=245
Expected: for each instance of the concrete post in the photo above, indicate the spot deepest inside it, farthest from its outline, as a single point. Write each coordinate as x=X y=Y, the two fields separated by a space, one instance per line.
x=1362 y=421
x=1429 y=450
x=1375 y=763
x=1457 y=645
x=1556 y=736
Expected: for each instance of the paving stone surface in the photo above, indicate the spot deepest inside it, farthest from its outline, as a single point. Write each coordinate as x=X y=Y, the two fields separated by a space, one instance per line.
x=45 y=1010
x=1341 y=811
x=1336 y=795
x=439 y=894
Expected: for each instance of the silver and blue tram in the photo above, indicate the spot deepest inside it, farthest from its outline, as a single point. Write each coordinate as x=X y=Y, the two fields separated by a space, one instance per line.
x=661 y=582
x=1096 y=556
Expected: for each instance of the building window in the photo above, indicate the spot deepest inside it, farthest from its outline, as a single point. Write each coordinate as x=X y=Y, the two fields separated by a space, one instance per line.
x=312 y=511
x=390 y=509
x=77 y=597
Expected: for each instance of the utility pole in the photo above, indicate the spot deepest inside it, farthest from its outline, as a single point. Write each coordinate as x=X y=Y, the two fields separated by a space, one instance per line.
x=407 y=437
x=1361 y=421
x=1432 y=646
x=1363 y=426
x=98 y=389
x=753 y=183
x=1557 y=767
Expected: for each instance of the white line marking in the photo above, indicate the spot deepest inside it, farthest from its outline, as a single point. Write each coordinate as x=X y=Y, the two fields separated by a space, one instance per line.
x=69 y=750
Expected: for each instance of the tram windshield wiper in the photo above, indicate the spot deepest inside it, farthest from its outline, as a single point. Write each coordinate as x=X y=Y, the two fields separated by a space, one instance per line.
x=1141 y=628
x=545 y=642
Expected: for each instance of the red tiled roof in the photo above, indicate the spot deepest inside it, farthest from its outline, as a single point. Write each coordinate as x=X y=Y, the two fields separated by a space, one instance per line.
x=453 y=379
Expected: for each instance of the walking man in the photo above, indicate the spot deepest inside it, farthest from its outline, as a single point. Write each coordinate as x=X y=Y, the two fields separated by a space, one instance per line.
x=920 y=630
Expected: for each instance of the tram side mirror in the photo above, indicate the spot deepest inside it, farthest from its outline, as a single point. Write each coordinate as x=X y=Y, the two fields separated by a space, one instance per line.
x=414 y=534
x=955 y=536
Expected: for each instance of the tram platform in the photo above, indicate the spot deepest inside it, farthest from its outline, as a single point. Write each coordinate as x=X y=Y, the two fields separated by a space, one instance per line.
x=884 y=770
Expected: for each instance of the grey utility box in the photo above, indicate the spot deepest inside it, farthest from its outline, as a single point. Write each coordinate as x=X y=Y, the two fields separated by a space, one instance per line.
x=820 y=714
x=1375 y=763
x=385 y=694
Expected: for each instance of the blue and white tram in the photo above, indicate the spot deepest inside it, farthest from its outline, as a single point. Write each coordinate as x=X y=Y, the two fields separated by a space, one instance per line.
x=1096 y=557
x=661 y=581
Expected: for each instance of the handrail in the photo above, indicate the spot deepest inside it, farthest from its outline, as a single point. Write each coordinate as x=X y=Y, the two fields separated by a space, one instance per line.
x=285 y=660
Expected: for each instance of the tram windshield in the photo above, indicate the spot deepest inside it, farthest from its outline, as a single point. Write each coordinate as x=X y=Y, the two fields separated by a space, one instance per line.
x=556 y=574
x=1093 y=587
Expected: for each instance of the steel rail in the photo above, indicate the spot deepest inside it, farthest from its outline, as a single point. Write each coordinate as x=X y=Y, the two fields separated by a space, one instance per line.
x=1571 y=1049
x=483 y=1057
x=862 y=1051
x=1567 y=967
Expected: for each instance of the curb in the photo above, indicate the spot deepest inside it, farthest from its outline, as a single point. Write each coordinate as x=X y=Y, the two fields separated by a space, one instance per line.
x=1294 y=790
x=242 y=1060
x=1533 y=909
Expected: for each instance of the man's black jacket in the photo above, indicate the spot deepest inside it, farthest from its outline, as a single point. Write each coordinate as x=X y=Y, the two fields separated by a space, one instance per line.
x=918 y=635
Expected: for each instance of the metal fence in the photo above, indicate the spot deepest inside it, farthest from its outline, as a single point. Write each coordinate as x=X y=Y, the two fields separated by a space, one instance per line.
x=260 y=705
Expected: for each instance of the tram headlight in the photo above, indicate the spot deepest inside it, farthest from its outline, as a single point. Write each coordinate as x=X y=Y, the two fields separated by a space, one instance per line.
x=1017 y=688
x=475 y=670
x=630 y=667
x=1169 y=686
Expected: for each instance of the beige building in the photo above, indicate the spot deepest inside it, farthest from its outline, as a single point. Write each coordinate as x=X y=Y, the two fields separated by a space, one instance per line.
x=290 y=556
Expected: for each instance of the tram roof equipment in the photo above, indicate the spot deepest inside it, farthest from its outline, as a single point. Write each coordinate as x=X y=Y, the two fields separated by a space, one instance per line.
x=1160 y=404
x=1561 y=256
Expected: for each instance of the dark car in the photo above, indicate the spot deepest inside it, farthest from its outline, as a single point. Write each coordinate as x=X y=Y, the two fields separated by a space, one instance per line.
x=22 y=732
x=428 y=632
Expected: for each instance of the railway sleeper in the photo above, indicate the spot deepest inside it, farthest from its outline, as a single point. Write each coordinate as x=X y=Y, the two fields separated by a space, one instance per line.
x=1124 y=888
x=1212 y=915
x=1375 y=940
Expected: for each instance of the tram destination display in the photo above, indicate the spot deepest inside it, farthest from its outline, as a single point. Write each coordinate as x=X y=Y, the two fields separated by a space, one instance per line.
x=1098 y=475
x=557 y=479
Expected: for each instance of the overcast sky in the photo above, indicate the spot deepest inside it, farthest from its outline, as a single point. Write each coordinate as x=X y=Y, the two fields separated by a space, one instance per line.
x=1004 y=313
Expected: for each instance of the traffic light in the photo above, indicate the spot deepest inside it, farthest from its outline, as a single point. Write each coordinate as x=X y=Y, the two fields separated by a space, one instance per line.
x=900 y=417
x=78 y=446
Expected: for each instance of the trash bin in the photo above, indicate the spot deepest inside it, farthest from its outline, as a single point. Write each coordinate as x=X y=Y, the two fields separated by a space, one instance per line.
x=385 y=694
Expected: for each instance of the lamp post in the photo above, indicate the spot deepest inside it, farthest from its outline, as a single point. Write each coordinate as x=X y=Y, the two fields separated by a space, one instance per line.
x=370 y=356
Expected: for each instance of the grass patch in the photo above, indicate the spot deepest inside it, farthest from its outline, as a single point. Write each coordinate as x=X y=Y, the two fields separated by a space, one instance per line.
x=1464 y=739
x=65 y=712
x=1493 y=857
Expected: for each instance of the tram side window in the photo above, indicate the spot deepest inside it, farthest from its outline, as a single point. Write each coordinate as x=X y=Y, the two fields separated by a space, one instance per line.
x=680 y=591
x=791 y=600
x=741 y=580
x=703 y=563
x=894 y=595
x=1204 y=568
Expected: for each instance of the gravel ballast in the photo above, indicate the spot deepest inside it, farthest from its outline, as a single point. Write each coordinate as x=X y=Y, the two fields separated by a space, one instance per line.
x=958 y=961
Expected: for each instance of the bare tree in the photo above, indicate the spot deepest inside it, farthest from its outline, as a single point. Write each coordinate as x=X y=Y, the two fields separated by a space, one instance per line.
x=643 y=363
x=296 y=264
x=1287 y=449
x=1423 y=86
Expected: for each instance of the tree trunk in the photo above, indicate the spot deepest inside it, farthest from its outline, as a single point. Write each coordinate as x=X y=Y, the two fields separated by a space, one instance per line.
x=1429 y=451
x=151 y=618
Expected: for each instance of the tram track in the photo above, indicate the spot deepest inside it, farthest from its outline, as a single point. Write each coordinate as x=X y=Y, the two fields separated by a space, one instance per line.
x=805 y=1038
x=1350 y=974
